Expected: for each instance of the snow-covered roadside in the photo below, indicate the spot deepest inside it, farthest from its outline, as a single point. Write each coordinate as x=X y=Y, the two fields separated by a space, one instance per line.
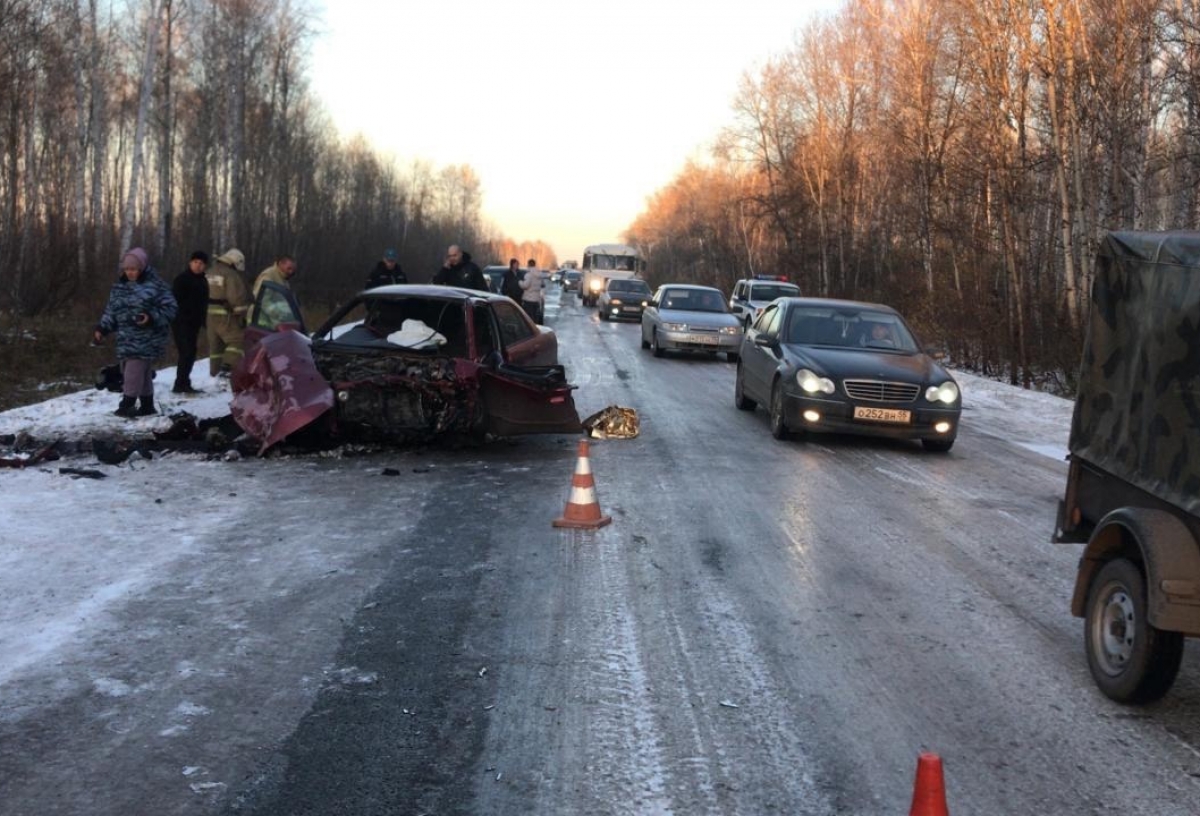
x=84 y=413
x=1034 y=420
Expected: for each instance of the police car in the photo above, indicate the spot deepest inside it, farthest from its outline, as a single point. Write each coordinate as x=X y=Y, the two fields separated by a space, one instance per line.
x=752 y=295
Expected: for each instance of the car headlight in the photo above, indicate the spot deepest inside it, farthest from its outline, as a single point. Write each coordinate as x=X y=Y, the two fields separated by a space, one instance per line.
x=947 y=392
x=674 y=326
x=595 y=285
x=615 y=302
x=810 y=383
x=731 y=330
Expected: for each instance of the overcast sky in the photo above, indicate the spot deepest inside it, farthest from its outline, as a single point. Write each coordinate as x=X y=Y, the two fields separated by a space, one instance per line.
x=572 y=114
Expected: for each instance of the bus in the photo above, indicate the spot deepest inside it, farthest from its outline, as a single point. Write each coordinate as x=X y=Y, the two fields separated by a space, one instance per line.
x=604 y=261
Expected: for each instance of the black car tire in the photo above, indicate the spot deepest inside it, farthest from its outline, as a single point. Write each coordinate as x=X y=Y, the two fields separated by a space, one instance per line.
x=938 y=445
x=779 y=428
x=740 y=399
x=1130 y=660
x=654 y=346
x=645 y=342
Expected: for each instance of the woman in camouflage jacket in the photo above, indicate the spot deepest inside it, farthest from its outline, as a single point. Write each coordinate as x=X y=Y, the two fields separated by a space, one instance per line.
x=140 y=310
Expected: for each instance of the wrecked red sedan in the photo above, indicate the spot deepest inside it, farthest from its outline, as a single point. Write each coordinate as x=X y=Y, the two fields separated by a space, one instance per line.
x=402 y=363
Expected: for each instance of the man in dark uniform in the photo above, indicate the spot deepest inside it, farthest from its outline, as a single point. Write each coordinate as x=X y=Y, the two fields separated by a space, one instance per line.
x=460 y=270
x=190 y=288
x=387 y=271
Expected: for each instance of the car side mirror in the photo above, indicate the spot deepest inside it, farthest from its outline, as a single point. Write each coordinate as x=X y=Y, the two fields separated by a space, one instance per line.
x=936 y=352
x=764 y=340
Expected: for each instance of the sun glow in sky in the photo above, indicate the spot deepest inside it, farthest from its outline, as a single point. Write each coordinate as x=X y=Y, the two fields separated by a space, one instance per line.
x=572 y=114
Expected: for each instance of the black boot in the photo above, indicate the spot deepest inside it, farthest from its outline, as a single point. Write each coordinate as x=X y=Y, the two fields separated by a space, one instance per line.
x=127 y=408
x=147 y=407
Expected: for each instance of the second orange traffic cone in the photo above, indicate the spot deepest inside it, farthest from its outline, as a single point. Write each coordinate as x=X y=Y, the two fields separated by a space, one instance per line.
x=929 y=792
x=582 y=510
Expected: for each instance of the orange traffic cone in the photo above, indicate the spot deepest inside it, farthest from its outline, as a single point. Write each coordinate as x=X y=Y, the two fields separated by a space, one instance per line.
x=929 y=793
x=582 y=510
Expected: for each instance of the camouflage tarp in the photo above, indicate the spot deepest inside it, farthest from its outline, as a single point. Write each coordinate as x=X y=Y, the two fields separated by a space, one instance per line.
x=1137 y=414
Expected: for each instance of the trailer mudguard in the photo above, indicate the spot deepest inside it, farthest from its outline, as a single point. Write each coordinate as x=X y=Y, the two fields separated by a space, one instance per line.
x=1170 y=558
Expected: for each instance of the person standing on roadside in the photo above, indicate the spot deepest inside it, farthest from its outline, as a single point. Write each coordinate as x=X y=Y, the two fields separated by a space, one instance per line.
x=228 y=302
x=387 y=271
x=533 y=292
x=279 y=273
x=510 y=285
x=459 y=270
x=140 y=309
x=190 y=289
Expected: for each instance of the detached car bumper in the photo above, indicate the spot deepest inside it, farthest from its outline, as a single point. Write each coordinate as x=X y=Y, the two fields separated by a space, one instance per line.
x=924 y=421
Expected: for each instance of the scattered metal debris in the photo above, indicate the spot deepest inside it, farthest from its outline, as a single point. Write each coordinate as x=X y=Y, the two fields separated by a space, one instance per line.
x=82 y=473
x=614 y=422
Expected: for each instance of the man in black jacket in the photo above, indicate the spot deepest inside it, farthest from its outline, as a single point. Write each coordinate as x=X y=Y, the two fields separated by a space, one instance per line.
x=387 y=271
x=190 y=288
x=460 y=270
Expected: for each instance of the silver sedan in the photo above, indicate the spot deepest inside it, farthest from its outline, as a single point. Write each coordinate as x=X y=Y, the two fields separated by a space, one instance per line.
x=683 y=317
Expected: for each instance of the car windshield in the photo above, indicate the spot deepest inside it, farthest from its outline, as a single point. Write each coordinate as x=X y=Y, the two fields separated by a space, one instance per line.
x=629 y=287
x=770 y=291
x=848 y=328
x=415 y=324
x=623 y=263
x=693 y=300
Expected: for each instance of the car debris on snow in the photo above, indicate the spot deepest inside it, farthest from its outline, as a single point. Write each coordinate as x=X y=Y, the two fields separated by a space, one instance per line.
x=613 y=422
x=26 y=451
x=82 y=473
x=729 y=704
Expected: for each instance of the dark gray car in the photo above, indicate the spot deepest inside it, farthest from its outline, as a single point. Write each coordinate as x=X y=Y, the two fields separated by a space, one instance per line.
x=822 y=365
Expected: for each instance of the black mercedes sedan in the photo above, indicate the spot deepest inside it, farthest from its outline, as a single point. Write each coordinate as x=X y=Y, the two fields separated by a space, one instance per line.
x=840 y=366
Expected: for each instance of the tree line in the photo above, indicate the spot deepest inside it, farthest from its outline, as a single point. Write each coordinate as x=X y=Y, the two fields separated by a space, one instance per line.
x=958 y=159
x=189 y=124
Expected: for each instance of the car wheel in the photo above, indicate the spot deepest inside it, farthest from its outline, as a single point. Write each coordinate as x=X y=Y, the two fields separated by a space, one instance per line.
x=938 y=445
x=645 y=342
x=779 y=428
x=1130 y=660
x=739 y=393
x=654 y=346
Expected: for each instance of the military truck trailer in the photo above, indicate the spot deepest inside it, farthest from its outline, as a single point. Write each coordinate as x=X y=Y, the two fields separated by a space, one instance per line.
x=1133 y=483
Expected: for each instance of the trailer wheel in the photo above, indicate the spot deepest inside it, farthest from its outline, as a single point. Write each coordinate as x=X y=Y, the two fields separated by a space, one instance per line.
x=1131 y=661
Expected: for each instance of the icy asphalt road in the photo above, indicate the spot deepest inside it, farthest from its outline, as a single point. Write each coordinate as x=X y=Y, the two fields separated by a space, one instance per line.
x=765 y=628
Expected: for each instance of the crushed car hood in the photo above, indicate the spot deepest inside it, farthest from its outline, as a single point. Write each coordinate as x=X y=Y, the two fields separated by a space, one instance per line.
x=280 y=390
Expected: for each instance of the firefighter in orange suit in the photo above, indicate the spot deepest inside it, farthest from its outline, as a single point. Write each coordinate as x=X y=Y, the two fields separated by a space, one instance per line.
x=228 y=302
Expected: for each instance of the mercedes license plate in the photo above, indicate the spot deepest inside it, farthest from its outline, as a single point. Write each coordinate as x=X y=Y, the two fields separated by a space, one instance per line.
x=882 y=414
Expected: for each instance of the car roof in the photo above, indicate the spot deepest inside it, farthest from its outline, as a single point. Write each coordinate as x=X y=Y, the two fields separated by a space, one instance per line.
x=764 y=282
x=691 y=286
x=429 y=290
x=835 y=303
